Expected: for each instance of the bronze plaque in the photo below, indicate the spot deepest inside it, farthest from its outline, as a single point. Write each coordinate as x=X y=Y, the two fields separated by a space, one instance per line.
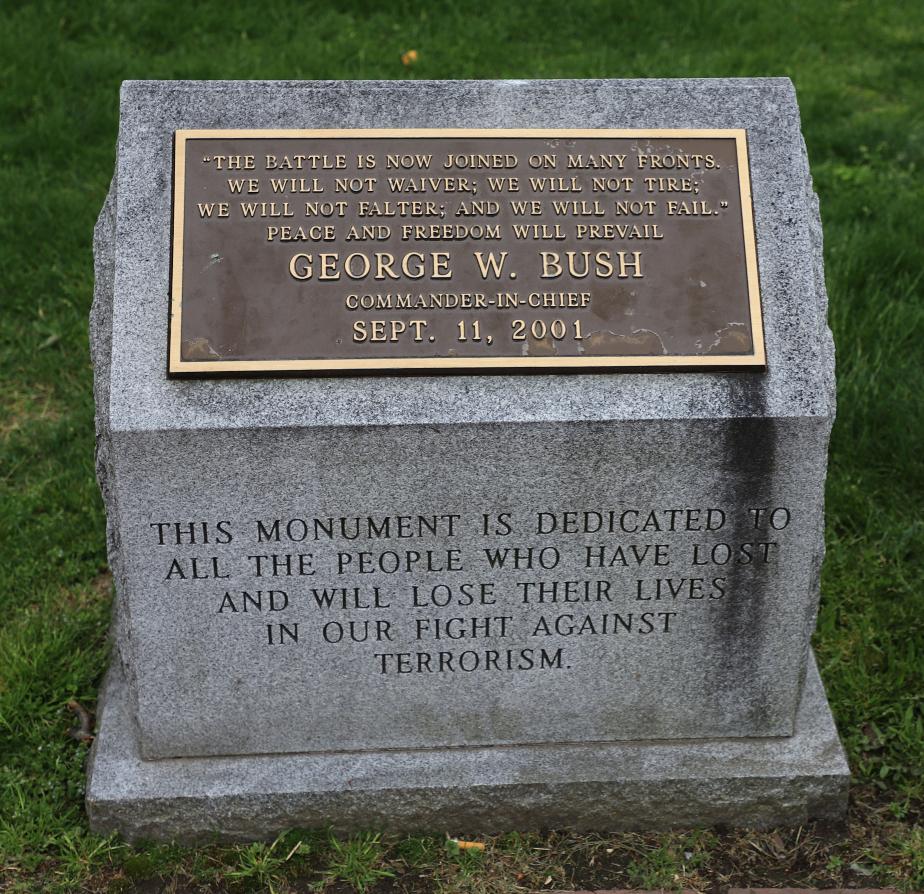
x=359 y=251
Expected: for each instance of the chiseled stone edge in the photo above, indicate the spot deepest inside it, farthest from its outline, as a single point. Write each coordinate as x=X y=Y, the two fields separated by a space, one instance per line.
x=104 y=264
x=612 y=787
x=826 y=349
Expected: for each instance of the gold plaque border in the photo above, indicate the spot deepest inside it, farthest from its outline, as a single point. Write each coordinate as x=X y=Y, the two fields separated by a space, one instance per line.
x=178 y=366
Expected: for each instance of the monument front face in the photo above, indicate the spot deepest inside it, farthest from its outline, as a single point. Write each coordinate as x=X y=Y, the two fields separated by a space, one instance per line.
x=480 y=585
x=318 y=571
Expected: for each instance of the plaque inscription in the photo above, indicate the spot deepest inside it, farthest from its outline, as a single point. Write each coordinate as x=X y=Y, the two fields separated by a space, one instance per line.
x=361 y=251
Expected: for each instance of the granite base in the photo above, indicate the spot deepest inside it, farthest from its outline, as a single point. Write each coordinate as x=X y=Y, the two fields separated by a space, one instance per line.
x=604 y=786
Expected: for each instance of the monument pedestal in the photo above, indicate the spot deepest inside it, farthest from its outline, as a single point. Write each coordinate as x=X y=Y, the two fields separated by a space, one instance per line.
x=597 y=786
x=464 y=601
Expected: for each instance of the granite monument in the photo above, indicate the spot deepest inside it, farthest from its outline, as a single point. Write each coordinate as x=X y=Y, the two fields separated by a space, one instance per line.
x=463 y=446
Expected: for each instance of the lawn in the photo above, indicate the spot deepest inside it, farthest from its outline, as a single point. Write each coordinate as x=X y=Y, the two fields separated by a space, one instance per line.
x=859 y=72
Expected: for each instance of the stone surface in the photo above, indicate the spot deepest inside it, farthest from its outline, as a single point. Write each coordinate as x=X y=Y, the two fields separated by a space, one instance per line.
x=209 y=683
x=196 y=675
x=616 y=786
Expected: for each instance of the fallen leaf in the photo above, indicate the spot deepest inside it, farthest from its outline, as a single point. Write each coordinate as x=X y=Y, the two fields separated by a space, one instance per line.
x=83 y=732
x=468 y=845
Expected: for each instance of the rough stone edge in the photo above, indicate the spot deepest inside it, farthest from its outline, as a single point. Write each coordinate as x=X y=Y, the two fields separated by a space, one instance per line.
x=101 y=355
x=145 y=84
x=827 y=349
x=755 y=783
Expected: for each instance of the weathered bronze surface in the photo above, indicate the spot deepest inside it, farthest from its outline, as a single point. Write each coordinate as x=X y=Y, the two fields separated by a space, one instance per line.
x=366 y=251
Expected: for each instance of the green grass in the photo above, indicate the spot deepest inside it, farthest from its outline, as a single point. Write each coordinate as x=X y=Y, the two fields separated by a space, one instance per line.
x=859 y=72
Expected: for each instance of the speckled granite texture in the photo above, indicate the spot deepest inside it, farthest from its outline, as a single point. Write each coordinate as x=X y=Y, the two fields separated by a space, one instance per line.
x=618 y=786
x=186 y=686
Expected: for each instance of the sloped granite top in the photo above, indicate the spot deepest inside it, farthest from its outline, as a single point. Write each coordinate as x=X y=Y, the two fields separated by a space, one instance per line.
x=131 y=308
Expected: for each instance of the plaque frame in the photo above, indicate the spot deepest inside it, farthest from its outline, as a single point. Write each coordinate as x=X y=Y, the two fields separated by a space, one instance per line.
x=177 y=367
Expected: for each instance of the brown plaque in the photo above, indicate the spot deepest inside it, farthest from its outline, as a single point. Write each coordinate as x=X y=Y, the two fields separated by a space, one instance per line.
x=359 y=251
